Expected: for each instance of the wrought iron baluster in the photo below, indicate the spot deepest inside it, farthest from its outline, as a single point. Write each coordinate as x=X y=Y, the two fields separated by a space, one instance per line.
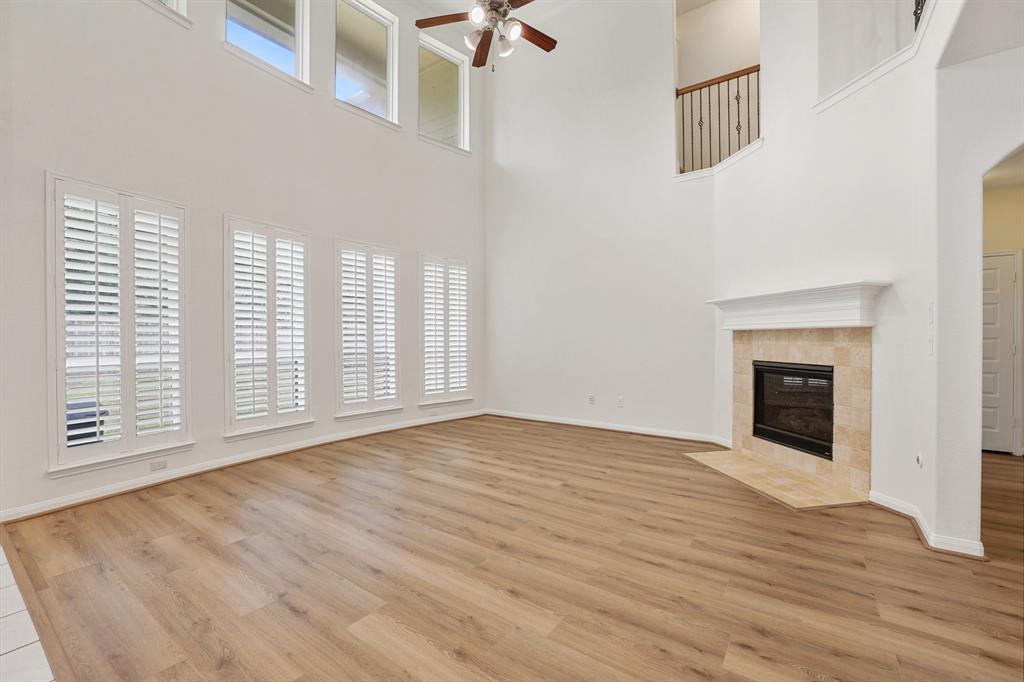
x=700 y=125
x=692 y=167
x=739 y=124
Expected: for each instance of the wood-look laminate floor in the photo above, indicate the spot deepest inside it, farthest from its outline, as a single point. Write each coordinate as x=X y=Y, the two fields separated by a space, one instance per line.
x=492 y=548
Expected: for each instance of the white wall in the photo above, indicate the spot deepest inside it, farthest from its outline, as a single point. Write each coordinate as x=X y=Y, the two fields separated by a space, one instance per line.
x=718 y=38
x=840 y=196
x=115 y=93
x=981 y=101
x=592 y=254
x=857 y=35
x=598 y=265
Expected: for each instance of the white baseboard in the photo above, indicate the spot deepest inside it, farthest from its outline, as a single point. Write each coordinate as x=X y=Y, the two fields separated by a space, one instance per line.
x=626 y=428
x=931 y=538
x=14 y=513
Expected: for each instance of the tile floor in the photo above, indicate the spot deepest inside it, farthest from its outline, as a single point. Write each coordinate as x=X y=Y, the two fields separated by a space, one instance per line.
x=21 y=655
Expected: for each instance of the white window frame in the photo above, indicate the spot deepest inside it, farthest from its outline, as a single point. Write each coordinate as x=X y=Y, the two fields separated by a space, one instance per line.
x=371 y=406
x=130 y=446
x=175 y=10
x=390 y=22
x=448 y=395
x=274 y=420
x=462 y=61
x=300 y=73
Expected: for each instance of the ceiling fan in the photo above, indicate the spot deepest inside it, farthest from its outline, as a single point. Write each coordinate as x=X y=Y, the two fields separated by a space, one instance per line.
x=493 y=16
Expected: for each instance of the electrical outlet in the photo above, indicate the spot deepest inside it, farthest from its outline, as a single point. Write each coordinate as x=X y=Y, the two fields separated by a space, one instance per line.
x=591 y=399
x=620 y=401
x=158 y=466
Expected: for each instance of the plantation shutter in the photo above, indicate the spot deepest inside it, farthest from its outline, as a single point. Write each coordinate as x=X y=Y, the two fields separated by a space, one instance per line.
x=368 y=318
x=290 y=324
x=354 y=328
x=249 y=294
x=92 y=316
x=385 y=352
x=158 y=360
x=445 y=328
x=458 y=328
x=433 y=328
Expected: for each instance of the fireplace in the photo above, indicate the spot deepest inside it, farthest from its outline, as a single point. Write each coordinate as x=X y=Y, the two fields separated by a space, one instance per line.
x=793 y=406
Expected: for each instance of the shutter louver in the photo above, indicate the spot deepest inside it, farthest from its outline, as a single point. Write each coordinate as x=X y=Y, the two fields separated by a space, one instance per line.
x=158 y=399
x=249 y=272
x=290 y=325
x=92 y=320
x=433 y=328
x=354 y=348
x=458 y=328
x=385 y=353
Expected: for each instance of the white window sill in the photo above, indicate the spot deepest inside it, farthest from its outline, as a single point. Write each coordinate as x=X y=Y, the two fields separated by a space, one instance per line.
x=267 y=430
x=173 y=15
x=372 y=412
x=444 y=145
x=369 y=116
x=446 y=401
x=118 y=459
x=272 y=70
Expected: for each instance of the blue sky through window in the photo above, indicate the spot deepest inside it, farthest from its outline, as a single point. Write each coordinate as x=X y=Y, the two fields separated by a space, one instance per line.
x=272 y=53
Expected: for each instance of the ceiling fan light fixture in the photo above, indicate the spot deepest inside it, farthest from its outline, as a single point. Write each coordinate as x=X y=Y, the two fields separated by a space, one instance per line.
x=477 y=15
x=513 y=29
x=505 y=46
x=473 y=39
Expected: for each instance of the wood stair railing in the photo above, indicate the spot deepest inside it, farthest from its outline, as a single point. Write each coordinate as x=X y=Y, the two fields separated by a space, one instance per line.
x=718 y=117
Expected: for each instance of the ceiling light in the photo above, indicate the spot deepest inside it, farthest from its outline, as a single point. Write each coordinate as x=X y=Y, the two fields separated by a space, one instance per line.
x=505 y=46
x=513 y=29
x=473 y=39
x=477 y=15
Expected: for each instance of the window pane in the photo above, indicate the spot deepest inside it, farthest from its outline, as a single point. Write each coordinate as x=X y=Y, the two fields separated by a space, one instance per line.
x=361 y=56
x=265 y=29
x=439 y=98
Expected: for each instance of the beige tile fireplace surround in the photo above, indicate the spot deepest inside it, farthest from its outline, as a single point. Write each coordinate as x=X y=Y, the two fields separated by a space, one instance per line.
x=795 y=327
x=799 y=479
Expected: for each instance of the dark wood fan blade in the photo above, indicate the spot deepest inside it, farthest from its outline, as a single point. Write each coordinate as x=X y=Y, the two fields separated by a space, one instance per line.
x=538 y=38
x=442 y=20
x=516 y=4
x=483 y=49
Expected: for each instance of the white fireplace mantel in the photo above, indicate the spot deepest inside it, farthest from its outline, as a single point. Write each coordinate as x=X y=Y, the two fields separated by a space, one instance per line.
x=837 y=305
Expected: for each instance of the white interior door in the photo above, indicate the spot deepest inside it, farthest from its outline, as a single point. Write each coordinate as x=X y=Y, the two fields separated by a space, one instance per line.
x=998 y=324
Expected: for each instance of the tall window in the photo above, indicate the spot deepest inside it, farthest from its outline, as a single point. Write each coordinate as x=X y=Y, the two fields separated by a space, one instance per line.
x=445 y=329
x=444 y=97
x=274 y=31
x=119 y=319
x=267 y=345
x=366 y=291
x=365 y=57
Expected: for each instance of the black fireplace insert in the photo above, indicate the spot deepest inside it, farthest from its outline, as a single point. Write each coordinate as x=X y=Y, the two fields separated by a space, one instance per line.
x=793 y=406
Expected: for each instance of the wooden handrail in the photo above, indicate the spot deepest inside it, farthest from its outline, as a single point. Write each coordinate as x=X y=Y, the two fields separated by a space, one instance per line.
x=715 y=81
